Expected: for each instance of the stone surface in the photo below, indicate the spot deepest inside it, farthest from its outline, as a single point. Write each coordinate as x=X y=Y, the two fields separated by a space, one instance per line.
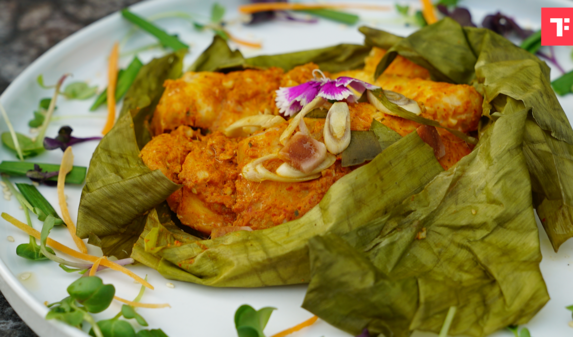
x=28 y=28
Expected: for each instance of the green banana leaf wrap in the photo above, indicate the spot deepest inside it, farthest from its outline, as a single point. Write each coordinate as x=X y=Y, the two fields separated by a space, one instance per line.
x=469 y=240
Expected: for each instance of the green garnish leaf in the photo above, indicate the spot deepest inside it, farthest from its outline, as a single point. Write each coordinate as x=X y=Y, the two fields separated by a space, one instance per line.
x=37 y=121
x=67 y=312
x=452 y=3
x=250 y=322
x=29 y=147
x=166 y=40
x=31 y=251
x=564 y=84
x=221 y=33
x=129 y=313
x=198 y=26
x=533 y=43
x=114 y=328
x=419 y=19
x=19 y=169
x=124 y=80
x=403 y=10
x=338 y=16
x=79 y=91
x=41 y=83
x=217 y=13
x=524 y=333
x=42 y=208
x=91 y=292
x=151 y=333
x=71 y=270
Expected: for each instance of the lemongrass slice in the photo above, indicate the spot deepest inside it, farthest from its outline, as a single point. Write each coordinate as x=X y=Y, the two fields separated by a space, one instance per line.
x=396 y=98
x=315 y=103
x=337 y=128
x=268 y=175
x=245 y=126
x=255 y=171
x=287 y=171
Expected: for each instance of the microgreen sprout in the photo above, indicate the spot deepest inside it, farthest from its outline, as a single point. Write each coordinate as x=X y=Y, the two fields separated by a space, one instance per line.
x=250 y=322
x=64 y=139
x=524 y=332
x=12 y=133
x=31 y=250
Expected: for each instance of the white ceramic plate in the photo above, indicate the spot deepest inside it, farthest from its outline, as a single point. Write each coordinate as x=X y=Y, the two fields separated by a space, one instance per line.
x=198 y=310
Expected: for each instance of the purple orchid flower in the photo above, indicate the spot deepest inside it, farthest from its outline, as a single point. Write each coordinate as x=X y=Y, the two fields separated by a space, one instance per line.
x=292 y=99
x=64 y=139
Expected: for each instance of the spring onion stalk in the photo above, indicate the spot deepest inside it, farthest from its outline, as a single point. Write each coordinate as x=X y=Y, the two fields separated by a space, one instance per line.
x=167 y=40
x=15 y=168
x=449 y=318
x=12 y=133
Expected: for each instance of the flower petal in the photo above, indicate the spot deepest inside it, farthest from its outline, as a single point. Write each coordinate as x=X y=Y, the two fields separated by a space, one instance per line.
x=332 y=91
x=356 y=84
x=290 y=100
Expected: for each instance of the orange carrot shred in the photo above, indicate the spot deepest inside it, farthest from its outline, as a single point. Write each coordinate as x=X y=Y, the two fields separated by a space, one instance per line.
x=296 y=328
x=143 y=305
x=282 y=6
x=112 y=79
x=243 y=42
x=66 y=250
x=65 y=167
x=429 y=12
x=93 y=270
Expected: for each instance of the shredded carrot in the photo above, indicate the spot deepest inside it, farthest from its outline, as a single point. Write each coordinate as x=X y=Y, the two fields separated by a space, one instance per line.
x=112 y=79
x=429 y=12
x=243 y=42
x=143 y=305
x=65 y=167
x=93 y=270
x=296 y=328
x=282 y=6
x=66 y=250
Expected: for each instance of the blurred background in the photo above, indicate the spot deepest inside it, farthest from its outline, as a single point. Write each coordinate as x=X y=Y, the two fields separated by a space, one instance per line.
x=28 y=28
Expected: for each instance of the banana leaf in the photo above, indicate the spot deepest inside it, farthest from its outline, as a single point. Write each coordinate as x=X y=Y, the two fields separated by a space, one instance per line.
x=219 y=57
x=469 y=240
x=119 y=188
x=498 y=69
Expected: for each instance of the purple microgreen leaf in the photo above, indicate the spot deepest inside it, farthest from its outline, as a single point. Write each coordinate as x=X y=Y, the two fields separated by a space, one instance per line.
x=37 y=175
x=459 y=14
x=364 y=333
x=504 y=25
x=64 y=139
x=260 y=17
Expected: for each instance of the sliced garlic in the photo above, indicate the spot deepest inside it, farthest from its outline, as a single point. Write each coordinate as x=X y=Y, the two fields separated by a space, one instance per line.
x=287 y=171
x=396 y=98
x=248 y=125
x=337 y=128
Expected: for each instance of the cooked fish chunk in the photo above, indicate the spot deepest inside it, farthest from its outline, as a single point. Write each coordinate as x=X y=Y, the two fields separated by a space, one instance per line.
x=401 y=66
x=456 y=106
x=214 y=101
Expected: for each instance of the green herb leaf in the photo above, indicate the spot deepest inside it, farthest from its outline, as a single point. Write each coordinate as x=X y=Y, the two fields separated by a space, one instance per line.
x=533 y=43
x=71 y=270
x=403 y=10
x=38 y=120
x=32 y=251
x=151 y=333
x=198 y=26
x=563 y=85
x=337 y=16
x=251 y=323
x=19 y=169
x=524 y=333
x=217 y=13
x=29 y=147
x=91 y=292
x=419 y=19
x=129 y=313
x=166 y=40
x=114 y=328
x=79 y=91
x=67 y=312
x=124 y=81
x=221 y=33
x=452 y=3
x=42 y=208
x=40 y=81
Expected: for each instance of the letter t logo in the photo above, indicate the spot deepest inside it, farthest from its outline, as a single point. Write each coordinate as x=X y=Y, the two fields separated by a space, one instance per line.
x=556 y=26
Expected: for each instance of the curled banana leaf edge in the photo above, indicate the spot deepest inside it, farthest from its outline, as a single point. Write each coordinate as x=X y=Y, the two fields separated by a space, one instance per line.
x=397 y=242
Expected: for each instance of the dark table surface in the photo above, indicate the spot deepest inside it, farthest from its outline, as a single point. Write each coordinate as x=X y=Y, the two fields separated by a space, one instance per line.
x=28 y=28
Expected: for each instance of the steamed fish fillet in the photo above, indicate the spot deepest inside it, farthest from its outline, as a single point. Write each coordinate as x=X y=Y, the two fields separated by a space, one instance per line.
x=400 y=66
x=214 y=101
x=215 y=196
